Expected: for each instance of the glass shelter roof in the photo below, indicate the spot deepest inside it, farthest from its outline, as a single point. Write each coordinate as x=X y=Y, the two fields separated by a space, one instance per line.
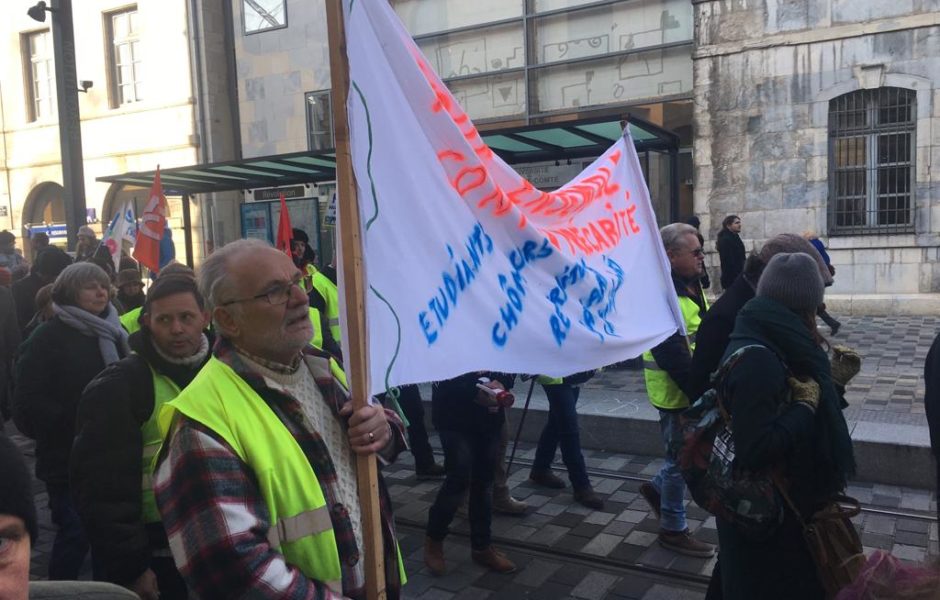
x=554 y=141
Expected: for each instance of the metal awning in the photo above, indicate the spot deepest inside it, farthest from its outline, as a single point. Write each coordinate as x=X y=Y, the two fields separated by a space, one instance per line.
x=576 y=139
x=554 y=141
x=544 y=142
x=249 y=173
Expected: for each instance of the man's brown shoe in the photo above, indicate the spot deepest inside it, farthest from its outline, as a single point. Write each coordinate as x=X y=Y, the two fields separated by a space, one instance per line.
x=493 y=559
x=587 y=497
x=546 y=479
x=434 y=556
x=508 y=505
x=683 y=543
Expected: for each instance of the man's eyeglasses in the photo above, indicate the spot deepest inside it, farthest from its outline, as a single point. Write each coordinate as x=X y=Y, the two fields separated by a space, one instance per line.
x=275 y=295
x=698 y=252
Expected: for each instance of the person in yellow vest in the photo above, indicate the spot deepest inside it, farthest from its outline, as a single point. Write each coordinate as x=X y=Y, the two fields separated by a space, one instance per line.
x=117 y=437
x=131 y=319
x=667 y=369
x=257 y=482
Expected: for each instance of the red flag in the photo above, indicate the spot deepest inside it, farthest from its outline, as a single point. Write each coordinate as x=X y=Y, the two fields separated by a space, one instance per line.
x=284 y=231
x=152 y=224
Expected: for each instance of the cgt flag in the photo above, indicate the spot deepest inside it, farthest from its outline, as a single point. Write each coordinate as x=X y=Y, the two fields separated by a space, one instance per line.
x=284 y=230
x=152 y=226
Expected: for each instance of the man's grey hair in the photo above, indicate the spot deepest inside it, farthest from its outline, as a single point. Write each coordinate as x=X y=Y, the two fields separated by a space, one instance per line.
x=213 y=273
x=674 y=235
x=74 y=278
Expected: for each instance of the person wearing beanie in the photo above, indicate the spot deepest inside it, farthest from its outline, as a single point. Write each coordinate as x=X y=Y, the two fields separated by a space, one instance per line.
x=116 y=434
x=130 y=289
x=832 y=322
x=715 y=331
x=87 y=243
x=785 y=398
x=18 y=528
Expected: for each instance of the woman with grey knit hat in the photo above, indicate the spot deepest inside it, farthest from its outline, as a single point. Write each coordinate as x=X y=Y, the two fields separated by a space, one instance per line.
x=784 y=396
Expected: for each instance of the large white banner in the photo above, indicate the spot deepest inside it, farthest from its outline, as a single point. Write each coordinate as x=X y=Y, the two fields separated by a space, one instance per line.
x=468 y=266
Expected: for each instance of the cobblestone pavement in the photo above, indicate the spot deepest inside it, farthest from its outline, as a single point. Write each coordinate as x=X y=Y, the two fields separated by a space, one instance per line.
x=889 y=390
x=624 y=532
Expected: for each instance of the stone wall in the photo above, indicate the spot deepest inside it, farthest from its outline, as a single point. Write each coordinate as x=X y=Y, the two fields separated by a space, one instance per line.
x=274 y=70
x=765 y=71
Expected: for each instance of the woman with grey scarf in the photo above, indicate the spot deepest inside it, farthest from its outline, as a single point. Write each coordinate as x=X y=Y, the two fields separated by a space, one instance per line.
x=55 y=364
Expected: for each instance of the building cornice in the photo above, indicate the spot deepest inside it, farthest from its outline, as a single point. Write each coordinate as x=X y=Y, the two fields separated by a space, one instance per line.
x=815 y=36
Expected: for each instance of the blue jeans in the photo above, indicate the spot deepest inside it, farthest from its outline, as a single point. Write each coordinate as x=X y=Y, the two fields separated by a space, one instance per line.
x=70 y=546
x=668 y=482
x=562 y=430
x=469 y=462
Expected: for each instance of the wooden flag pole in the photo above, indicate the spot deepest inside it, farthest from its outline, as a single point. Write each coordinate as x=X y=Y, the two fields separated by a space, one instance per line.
x=351 y=268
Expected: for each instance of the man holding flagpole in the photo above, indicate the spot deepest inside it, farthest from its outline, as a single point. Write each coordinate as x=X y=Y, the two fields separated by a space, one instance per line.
x=257 y=478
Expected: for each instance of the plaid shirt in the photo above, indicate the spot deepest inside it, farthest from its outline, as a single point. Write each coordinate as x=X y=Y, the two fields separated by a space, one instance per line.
x=217 y=521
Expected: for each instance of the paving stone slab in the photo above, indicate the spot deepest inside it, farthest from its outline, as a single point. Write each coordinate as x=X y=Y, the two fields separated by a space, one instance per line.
x=602 y=545
x=594 y=586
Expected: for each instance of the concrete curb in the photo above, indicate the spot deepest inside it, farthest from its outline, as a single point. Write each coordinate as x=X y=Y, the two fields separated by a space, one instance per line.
x=879 y=460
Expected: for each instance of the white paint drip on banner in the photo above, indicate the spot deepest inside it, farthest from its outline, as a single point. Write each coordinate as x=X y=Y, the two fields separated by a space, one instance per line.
x=468 y=267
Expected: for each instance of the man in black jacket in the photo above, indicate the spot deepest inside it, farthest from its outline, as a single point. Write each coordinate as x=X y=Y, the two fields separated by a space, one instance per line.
x=117 y=438
x=469 y=418
x=730 y=250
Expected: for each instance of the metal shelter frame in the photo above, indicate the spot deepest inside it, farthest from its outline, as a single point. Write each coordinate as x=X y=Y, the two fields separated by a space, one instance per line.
x=544 y=142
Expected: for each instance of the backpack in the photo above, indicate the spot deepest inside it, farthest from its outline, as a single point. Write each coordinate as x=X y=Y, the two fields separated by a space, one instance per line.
x=704 y=451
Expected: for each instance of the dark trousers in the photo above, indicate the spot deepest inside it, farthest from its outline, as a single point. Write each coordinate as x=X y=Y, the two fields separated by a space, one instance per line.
x=169 y=580
x=469 y=462
x=562 y=431
x=410 y=401
x=70 y=546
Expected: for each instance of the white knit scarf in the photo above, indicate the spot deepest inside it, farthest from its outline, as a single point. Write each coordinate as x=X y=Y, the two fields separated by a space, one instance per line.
x=112 y=338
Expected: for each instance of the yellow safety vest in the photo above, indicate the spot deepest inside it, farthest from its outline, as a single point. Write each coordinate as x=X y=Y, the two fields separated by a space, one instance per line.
x=330 y=294
x=300 y=520
x=129 y=320
x=164 y=390
x=661 y=389
x=317 y=340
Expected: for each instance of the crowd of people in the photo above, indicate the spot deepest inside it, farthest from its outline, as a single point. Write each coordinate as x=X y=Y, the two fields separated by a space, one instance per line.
x=198 y=440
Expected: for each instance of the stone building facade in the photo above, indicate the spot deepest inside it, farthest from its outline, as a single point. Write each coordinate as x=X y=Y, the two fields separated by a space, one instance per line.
x=159 y=95
x=824 y=115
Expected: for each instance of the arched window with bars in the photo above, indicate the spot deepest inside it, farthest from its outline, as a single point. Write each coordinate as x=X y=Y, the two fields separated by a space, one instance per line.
x=871 y=161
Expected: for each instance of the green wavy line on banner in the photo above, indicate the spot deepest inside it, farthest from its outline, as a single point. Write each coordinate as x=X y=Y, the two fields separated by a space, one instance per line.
x=375 y=198
x=388 y=370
